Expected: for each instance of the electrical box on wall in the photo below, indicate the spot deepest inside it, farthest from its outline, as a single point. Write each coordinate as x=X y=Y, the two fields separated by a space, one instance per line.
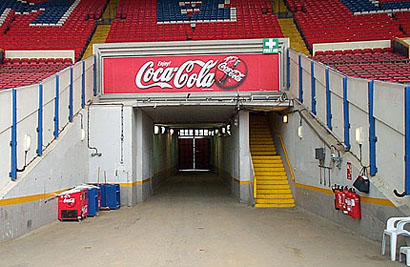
x=320 y=154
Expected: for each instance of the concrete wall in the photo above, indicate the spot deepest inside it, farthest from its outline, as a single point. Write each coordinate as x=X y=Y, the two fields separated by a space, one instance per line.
x=231 y=158
x=123 y=135
x=28 y=203
x=144 y=146
x=165 y=157
x=350 y=45
x=41 y=54
x=312 y=194
x=108 y=123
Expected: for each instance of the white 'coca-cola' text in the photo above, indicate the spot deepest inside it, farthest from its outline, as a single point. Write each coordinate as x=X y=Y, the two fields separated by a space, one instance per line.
x=176 y=77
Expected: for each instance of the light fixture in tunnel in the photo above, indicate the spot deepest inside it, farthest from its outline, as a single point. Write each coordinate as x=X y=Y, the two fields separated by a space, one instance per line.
x=235 y=122
x=156 y=129
x=223 y=130
x=171 y=131
x=216 y=131
x=163 y=130
x=285 y=118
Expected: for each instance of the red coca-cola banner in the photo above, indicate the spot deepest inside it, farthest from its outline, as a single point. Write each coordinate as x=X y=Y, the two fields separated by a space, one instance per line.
x=171 y=74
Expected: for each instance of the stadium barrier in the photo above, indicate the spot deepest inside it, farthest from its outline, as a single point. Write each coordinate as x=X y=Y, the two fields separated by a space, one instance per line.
x=347 y=106
x=350 y=45
x=39 y=113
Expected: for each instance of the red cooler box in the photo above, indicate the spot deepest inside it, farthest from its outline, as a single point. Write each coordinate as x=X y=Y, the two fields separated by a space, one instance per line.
x=73 y=204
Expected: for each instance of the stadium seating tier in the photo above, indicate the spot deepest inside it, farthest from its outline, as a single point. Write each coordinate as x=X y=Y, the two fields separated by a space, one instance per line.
x=142 y=21
x=376 y=64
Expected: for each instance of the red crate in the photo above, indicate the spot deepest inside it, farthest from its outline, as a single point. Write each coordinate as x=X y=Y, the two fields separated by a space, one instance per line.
x=73 y=205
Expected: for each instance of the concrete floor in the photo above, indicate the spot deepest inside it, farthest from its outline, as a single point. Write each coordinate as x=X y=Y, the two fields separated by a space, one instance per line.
x=194 y=221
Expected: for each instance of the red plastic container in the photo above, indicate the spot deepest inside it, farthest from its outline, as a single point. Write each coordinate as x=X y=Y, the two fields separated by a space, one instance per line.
x=73 y=205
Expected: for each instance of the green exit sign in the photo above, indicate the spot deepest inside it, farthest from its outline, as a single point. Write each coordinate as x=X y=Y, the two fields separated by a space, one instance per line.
x=270 y=45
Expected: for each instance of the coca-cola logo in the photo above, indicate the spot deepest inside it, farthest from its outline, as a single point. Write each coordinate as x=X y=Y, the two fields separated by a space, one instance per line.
x=69 y=201
x=229 y=74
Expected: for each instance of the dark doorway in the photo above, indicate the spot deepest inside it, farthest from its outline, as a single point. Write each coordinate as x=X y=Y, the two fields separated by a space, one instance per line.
x=194 y=150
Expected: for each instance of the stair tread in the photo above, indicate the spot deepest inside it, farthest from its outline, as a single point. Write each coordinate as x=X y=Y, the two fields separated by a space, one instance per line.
x=271 y=178
x=282 y=206
x=271 y=182
x=273 y=191
x=274 y=201
x=274 y=196
x=272 y=186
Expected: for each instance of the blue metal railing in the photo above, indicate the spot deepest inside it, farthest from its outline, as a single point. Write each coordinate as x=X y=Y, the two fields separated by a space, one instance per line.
x=313 y=86
x=57 y=107
x=328 y=101
x=346 y=115
x=83 y=86
x=13 y=142
x=40 y=121
x=372 y=130
x=288 y=69
x=70 y=104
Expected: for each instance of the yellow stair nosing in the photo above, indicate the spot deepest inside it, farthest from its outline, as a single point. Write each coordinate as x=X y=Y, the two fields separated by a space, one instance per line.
x=269 y=191
x=275 y=201
x=274 y=196
x=282 y=206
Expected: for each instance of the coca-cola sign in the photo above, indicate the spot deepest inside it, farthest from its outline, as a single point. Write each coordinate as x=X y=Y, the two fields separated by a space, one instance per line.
x=191 y=74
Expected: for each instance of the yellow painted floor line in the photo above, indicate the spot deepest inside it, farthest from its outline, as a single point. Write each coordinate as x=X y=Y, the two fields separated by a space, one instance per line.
x=371 y=200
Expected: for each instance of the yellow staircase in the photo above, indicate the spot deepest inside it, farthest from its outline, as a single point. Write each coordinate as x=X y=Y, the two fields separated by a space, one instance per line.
x=270 y=182
x=111 y=10
x=99 y=37
x=102 y=31
x=290 y=30
x=279 y=6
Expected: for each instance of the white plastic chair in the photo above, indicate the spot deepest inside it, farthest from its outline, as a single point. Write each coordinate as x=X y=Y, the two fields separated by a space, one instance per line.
x=394 y=228
x=405 y=251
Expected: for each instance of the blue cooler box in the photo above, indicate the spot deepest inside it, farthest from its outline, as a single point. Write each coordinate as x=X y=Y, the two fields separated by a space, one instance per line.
x=110 y=196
